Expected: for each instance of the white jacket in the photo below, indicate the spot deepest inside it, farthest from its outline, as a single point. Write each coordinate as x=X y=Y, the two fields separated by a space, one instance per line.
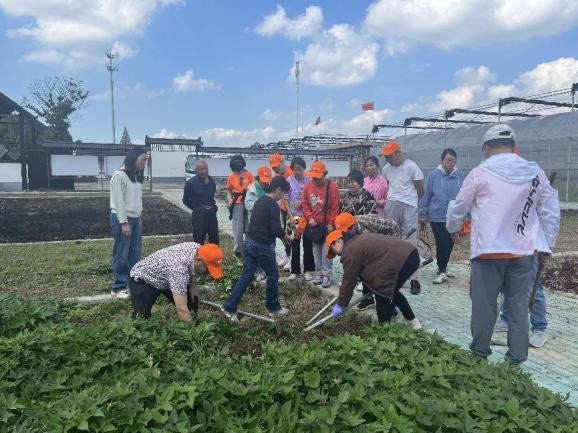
x=125 y=196
x=510 y=200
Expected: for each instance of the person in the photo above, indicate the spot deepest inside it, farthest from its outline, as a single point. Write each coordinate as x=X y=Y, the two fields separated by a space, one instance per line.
x=172 y=272
x=320 y=207
x=125 y=218
x=264 y=227
x=255 y=191
x=199 y=197
x=405 y=188
x=294 y=199
x=375 y=183
x=442 y=185
x=357 y=201
x=509 y=199
x=277 y=164
x=383 y=263
x=237 y=184
x=366 y=224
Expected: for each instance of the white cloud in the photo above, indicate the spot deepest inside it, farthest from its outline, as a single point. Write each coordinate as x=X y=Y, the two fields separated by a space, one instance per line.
x=76 y=33
x=447 y=23
x=163 y=133
x=338 y=57
x=549 y=76
x=304 y=25
x=187 y=82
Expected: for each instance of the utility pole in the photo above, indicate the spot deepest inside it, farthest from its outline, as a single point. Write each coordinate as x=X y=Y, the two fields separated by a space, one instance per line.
x=111 y=67
x=297 y=94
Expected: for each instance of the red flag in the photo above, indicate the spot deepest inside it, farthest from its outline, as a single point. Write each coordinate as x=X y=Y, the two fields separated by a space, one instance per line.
x=318 y=120
x=368 y=106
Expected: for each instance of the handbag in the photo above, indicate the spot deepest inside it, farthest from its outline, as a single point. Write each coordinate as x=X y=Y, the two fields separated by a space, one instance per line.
x=317 y=233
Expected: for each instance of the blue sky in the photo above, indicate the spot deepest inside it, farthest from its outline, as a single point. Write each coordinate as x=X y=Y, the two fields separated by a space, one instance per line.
x=222 y=70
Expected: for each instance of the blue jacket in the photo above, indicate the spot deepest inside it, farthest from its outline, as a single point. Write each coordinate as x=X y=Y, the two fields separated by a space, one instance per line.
x=440 y=189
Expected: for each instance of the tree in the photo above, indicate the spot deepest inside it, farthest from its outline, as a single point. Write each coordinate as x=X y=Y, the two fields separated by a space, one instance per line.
x=125 y=137
x=54 y=100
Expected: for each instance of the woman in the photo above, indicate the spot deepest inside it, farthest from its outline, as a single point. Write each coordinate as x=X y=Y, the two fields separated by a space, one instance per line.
x=125 y=222
x=294 y=199
x=375 y=183
x=442 y=186
x=357 y=201
x=237 y=184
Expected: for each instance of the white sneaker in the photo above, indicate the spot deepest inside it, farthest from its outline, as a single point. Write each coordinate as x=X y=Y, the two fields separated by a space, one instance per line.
x=281 y=311
x=120 y=294
x=441 y=278
x=415 y=324
x=538 y=338
x=287 y=266
x=260 y=276
x=294 y=277
x=501 y=326
x=449 y=274
x=309 y=275
x=359 y=287
x=282 y=261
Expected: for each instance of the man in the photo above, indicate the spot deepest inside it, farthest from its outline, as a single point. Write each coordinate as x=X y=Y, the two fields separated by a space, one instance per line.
x=277 y=164
x=199 y=196
x=320 y=207
x=237 y=184
x=510 y=199
x=172 y=272
x=264 y=228
x=406 y=186
x=383 y=263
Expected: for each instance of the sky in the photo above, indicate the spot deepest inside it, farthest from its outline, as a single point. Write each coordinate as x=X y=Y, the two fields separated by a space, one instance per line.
x=224 y=70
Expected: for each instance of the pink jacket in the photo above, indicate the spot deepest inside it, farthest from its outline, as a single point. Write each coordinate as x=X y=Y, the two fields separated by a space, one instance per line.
x=510 y=200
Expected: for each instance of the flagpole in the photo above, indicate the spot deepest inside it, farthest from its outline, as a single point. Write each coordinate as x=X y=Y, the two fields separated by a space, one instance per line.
x=297 y=99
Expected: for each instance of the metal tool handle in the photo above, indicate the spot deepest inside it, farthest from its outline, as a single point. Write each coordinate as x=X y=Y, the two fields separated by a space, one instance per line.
x=241 y=312
x=322 y=310
x=345 y=310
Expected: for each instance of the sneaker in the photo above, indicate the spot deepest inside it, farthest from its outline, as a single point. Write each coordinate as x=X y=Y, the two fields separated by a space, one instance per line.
x=538 y=338
x=441 y=278
x=326 y=282
x=359 y=287
x=260 y=276
x=366 y=304
x=231 y=316
x=281 y=262
x=309 y=276
x=449 y=274
x=501 y=326
x=317 y=280
x=287 y=266
x=415 y=323
x=415 y=287
x=119 y=294
x=294 y=277
x=280 y=312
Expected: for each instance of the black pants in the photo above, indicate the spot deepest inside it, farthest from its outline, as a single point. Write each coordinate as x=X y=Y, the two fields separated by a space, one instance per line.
x=308 y=261
x=444 y=245
x=384 y=307
x=205 y=222
x=143 y=296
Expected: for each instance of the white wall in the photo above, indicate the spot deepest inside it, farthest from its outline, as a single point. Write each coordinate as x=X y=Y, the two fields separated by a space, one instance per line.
x=10 y=172
x=74 y=165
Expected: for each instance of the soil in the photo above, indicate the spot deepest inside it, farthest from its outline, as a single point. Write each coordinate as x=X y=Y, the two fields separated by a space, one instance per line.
x=562 y=274
x=54 y=218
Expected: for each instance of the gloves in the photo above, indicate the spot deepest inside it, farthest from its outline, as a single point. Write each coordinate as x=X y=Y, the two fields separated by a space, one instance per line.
x=337 y=311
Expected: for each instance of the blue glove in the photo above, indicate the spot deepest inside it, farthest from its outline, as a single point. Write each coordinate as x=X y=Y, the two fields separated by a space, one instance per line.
x=337 y=311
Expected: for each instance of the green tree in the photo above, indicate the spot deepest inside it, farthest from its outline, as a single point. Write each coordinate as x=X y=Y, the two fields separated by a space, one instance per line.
x=125 y=137
x=54 y=100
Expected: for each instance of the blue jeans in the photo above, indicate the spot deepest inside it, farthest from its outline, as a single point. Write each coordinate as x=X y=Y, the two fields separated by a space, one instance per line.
x=538 y=311
x=256 y=254
x=126 y=250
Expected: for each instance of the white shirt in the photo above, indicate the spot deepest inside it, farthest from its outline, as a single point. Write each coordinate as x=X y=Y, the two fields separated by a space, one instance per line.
x=401 y=178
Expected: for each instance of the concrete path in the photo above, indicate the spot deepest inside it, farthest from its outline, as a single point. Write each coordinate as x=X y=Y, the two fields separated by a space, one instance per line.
x=446 y=308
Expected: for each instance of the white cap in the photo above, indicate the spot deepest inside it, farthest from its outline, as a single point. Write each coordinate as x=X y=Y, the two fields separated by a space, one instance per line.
x=500 y=134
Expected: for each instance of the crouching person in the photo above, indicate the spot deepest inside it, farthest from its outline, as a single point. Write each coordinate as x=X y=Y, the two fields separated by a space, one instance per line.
x=383 y=263
x=172 y=272
x=264 y=227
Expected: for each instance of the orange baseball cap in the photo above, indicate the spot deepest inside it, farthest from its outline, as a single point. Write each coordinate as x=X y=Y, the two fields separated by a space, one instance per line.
x=276 y=160
x=332 y=237
x=390 y=148
x=213 y=256
x=264 y=174
x=318 y=169
x=344 y=221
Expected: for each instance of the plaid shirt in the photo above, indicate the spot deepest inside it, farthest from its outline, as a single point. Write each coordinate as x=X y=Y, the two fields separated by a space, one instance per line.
x=358 y=204
x=168 y=269
x=374 y=224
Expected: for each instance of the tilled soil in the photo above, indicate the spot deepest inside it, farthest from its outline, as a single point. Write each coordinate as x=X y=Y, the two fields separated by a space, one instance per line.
x=562 y=274
x=53 y=218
